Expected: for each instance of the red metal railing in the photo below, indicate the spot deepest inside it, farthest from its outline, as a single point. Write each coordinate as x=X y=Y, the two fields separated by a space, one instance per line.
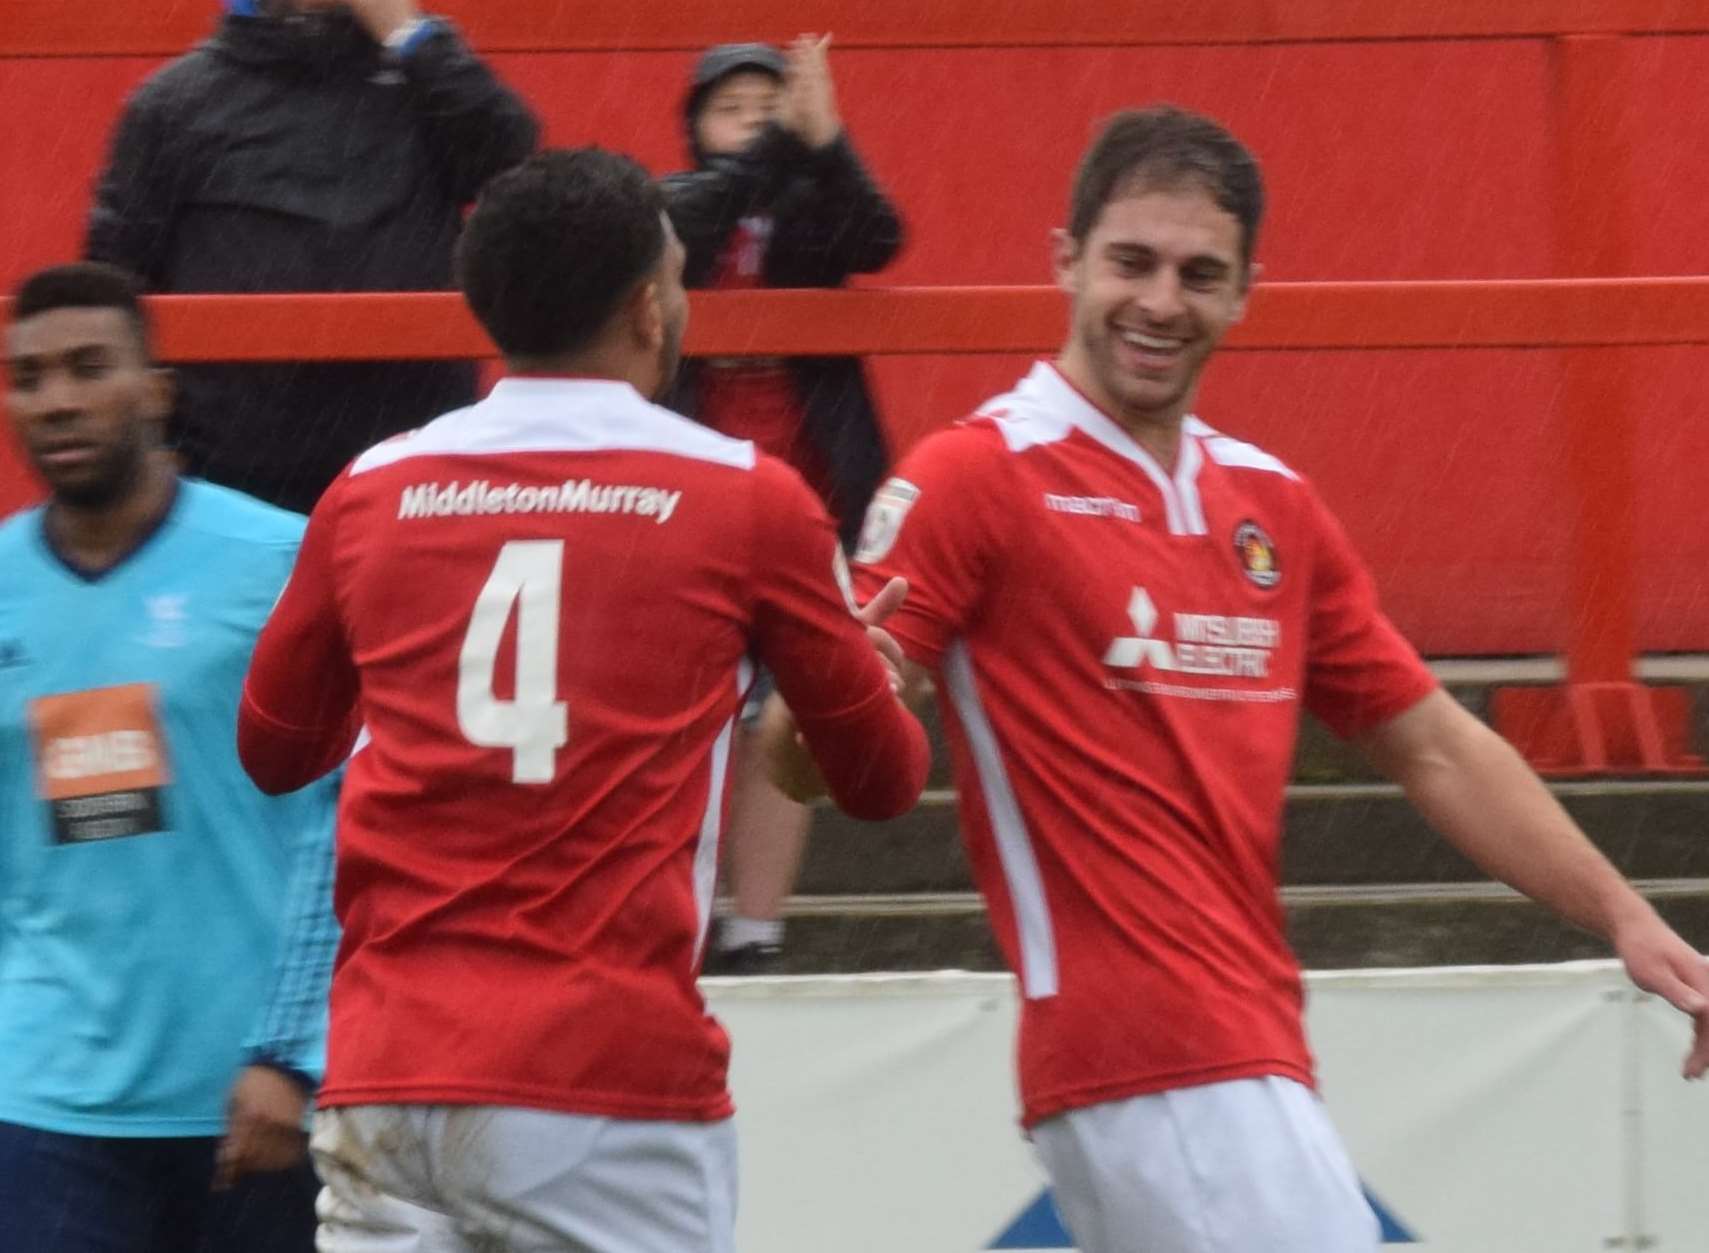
x=1600 y=720
x=1530 y=313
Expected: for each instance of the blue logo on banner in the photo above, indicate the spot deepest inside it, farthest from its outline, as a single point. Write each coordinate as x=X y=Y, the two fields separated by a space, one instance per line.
x=1394 y=1231
x=1039 y=1226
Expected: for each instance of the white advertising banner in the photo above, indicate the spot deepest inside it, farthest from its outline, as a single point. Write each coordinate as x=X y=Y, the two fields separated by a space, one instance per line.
x=1489 y=1110
x=1667 y=1178
x=1482 y=1107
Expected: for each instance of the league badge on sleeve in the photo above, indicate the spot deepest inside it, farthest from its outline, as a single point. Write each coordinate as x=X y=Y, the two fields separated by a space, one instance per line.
x=845 y=581
x=1256 y=552
x=884 y=518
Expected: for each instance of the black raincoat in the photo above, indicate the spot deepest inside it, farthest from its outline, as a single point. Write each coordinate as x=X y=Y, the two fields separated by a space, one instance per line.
x=285 y=155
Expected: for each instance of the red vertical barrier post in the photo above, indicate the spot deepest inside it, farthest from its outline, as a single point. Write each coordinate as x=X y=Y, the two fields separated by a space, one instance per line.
x=1602 y=720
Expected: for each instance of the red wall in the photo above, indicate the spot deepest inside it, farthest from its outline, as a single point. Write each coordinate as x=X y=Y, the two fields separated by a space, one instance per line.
x=1386 y=160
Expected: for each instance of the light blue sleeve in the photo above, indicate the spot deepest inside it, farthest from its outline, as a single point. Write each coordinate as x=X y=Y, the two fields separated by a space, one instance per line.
x=291 y=1028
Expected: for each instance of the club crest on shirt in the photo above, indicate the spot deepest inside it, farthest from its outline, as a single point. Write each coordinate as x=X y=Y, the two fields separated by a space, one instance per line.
x=168 y=621
x=884 y=518
x=1256 y=552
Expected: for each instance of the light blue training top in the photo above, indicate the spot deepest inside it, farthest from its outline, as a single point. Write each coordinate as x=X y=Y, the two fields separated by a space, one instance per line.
x=158 y=914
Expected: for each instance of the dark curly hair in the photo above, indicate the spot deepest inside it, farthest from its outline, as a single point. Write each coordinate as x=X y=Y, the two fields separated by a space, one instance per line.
x=1167 y=146
x=555 y=244
x=85 y=285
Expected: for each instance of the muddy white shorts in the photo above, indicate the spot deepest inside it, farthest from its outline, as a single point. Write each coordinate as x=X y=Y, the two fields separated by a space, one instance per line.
x=466 y=1179
x=1246 y=1166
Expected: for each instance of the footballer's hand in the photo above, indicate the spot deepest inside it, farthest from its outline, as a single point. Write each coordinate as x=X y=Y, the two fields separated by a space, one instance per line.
x=910 y=680
x=789 y=763
x=1658 y=961
x=264 y=1126
x=872 y=614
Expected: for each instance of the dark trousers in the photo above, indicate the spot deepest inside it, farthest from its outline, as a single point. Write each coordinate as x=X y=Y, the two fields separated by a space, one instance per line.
x=106 y=1194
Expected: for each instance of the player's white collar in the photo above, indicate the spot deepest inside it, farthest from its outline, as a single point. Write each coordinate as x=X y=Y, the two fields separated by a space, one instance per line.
x=1183 y=509
x=560 y=415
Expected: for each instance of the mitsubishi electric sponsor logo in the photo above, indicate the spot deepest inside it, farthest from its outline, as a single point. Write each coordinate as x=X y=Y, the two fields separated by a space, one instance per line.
x=480 y=498
x=1092 y=506
x=1203 y=644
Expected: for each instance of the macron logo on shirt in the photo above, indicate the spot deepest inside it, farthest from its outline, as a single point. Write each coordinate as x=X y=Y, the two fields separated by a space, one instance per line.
x=1092 y=506
x=480 y=498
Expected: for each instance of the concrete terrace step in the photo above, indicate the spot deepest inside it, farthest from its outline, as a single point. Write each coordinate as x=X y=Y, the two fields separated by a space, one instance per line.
x=1356 y=931
x=1333 y=834
x=1365 y=882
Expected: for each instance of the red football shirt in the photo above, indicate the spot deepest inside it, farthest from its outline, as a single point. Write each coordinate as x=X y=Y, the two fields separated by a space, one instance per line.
x=542 y=607
x=1122 y=653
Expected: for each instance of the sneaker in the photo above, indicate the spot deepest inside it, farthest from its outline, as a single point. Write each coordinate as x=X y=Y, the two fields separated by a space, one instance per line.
x=744 y=959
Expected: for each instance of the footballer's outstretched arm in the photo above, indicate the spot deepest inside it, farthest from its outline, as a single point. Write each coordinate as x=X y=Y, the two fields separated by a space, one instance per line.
x=298 y=719
x=1368 y=684
x=871 y=752
x=1475 y=789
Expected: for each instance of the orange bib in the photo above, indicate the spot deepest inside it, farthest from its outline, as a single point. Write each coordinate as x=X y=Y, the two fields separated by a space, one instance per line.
x=100 y=762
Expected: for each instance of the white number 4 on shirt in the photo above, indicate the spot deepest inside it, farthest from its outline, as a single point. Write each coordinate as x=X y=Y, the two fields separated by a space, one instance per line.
x=533 y=725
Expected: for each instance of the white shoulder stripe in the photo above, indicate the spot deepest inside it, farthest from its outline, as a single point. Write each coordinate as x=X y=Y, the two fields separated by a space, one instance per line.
x=1024 y=423
x=560 y=415
x=1232 y=452
x=1225 y=450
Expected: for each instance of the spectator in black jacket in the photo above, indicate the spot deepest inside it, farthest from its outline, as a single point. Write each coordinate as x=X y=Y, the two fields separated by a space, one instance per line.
x=307 y=146
x=778 y=198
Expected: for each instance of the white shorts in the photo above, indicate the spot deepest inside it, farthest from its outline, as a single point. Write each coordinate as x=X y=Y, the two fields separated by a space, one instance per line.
x=1246 y=1166
x=462 y=1178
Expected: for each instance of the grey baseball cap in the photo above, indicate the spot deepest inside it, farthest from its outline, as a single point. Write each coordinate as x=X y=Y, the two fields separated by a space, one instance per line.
x=725 y=59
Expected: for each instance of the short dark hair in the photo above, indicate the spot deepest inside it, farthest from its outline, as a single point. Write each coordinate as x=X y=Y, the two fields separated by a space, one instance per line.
x=555 y=244
x=85 y=285
x=1166 y=146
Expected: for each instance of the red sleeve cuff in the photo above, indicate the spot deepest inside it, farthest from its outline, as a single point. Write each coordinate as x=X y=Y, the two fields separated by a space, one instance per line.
x=1356 y=719
x=874 y=757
